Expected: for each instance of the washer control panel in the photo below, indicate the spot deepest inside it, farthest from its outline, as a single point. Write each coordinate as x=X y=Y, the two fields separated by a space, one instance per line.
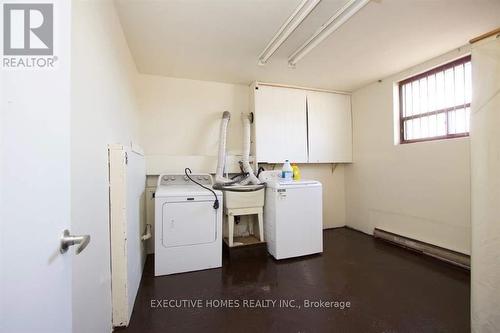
x=182 y=179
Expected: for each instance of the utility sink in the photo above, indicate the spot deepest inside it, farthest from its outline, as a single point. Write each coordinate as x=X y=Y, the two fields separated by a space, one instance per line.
x=246 y=199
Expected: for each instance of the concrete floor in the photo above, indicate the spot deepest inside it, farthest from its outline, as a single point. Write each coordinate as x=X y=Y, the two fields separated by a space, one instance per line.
x=389 y=289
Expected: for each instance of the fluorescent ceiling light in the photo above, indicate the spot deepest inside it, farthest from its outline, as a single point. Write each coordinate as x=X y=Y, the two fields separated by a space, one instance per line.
x=299 y=14
x=339 y=18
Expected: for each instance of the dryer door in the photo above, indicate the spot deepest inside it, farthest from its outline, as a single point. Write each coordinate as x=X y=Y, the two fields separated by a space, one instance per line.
x=188 y=223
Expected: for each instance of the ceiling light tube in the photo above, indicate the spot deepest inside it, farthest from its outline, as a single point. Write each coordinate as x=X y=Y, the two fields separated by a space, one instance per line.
x=339 y=18
x=298 y=15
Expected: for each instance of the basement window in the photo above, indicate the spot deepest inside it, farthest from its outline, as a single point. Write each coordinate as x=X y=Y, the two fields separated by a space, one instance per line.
x=436 y=104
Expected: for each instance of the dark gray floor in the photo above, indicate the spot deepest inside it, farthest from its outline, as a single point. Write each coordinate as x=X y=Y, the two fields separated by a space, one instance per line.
x=390 y=290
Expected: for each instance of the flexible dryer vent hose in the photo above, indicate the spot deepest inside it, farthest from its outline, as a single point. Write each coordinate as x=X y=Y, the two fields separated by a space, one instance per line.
x=251 y=179
x=221 y=157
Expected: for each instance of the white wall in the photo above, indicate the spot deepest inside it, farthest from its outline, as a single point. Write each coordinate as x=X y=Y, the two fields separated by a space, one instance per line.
x=181 y=118
x=180 y=122
x=103 y=111
x=485 y=162
x=332 y=179
x=419 y=190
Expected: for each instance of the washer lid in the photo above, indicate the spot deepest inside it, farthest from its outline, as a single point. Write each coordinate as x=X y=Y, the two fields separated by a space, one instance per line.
x=293 y=183
x=183 y=190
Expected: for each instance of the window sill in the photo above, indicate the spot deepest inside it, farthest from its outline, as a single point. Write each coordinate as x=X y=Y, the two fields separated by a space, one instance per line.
x=438 y=138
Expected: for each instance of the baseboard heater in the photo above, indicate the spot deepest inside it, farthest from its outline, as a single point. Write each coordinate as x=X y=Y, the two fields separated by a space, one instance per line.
x=450 y=256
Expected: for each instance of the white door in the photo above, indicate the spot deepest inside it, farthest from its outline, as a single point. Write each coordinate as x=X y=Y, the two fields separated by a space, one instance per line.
x=330 y=129
x=280 y=124
x=35 y=278
x=189 y=223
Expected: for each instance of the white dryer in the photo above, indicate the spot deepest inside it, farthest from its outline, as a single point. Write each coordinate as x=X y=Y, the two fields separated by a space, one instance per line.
x=188 y=229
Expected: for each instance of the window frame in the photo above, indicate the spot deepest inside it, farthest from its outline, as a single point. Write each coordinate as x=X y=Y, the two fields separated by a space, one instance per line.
x=402 y=119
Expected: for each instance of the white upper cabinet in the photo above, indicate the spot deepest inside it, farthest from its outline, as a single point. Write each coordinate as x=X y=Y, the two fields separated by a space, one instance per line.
x=330 y=130
x=302 y=126
x=280 y=124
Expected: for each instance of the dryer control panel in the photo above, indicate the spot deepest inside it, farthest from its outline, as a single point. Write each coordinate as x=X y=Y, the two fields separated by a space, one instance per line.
x=182 y=179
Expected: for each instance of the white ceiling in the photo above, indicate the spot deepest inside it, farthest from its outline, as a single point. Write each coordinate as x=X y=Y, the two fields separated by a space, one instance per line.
x=220 y=40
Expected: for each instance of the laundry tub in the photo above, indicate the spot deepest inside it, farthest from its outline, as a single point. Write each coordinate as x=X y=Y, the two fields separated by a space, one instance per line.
x=247 y=196
x=243 y=200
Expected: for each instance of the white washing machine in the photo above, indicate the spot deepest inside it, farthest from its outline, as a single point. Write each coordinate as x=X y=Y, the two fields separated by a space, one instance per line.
x=188 y=229
x=293 y=218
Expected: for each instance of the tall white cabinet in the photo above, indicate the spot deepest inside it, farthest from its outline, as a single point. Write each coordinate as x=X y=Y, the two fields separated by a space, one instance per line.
x=301 y=125
x=127 y=182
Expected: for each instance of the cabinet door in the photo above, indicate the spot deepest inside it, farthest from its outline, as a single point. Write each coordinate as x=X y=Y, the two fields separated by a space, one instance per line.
x=280 y=124
x=330 y=128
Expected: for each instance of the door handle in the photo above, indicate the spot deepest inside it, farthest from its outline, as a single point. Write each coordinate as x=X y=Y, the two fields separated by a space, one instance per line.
x=68 y=240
